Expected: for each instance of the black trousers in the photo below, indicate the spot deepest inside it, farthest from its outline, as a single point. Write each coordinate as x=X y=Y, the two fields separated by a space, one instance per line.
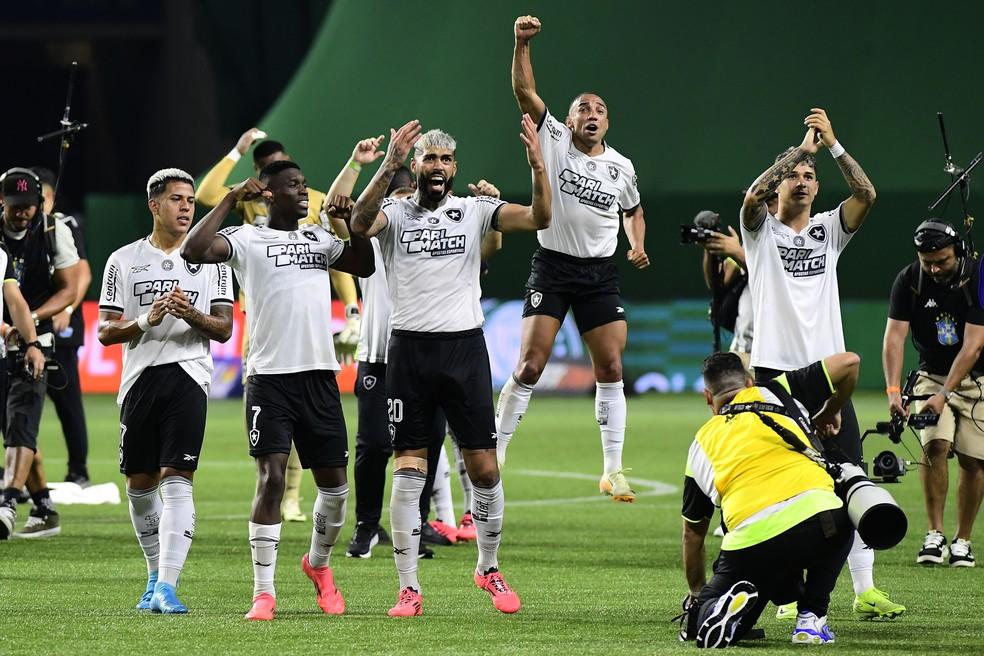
x=848 y=440
x=68 y=405
x=816 y=547
x=374 y=446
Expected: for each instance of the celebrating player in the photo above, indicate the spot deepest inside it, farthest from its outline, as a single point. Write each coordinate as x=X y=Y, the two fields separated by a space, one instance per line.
x=431 y=244
x=164 y=311
x=591 y=185
x=292 y=394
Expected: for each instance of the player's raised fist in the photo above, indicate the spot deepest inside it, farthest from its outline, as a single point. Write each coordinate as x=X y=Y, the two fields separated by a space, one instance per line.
x=247 y=139
x=484 y=188
x=526 y=28
x=249 y=189
x=339 y=207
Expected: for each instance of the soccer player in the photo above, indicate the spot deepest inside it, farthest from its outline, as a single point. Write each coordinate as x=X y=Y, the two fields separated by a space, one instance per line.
x=163 y=311
x=592 y=185
x=431 y=244
x=792 y=259
x=254 y=212
x=292 y=395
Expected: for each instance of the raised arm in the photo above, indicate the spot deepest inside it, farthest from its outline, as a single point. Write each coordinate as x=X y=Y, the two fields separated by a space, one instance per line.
x=213 y=188
x=367 y=220
x=203 y=245
x=753 y=208
x=523 y=84
x=536 y=216
x=856 y=207
x=893 y=350
x=366 y=151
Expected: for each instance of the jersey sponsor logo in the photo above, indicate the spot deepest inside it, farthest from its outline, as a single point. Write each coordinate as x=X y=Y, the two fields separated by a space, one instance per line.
x=223 y=286
x=167 y=265
x=368 y=382
x=799 y=241
x=800 y=262
x=111 y=278
x=140 y=269
x=190 y=457
x=535 y=299
x=231 y=230
x=309 y=235
x=818 y=233
x=613 y=172
x=292 y=235
x=586 y=190
x=591 y=165
x=192 y=268
x=433 y=220
x=435 y=241
x=946 y=330
x=146 y=291
x=454 y=214
x=554 y=130
x=931 y=303
x=299 y=255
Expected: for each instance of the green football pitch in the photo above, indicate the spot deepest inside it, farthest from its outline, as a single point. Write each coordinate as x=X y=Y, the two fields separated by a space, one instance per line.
x=594 y=576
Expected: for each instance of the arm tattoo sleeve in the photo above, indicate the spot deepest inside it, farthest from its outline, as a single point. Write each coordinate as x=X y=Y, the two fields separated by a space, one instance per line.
x=766 y=184
x=861 y=187
x=367 y=207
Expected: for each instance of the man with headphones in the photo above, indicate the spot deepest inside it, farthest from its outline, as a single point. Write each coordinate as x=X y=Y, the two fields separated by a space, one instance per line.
x=45 y=263
x=938 y=298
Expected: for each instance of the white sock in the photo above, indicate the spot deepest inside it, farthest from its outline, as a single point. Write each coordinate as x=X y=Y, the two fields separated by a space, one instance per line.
x=610 y=412
x=861 y=561
x=487 y=513
x=405 y=524
x=263 y=542
x=513 y=401
x=466 y=484
x=145 y=514
x=329 y=517
x=443 y=503
x=177 y=528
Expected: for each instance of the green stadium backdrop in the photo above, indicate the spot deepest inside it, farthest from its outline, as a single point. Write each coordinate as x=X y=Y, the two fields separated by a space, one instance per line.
x=701 y=97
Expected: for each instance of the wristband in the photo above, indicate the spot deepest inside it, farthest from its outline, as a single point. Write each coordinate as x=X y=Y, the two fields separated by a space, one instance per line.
x=355 y=166
x=69 y=309
x=143 y=322
x=234 y=155
x=893 y=389
x=837 y=150
x=36 y=344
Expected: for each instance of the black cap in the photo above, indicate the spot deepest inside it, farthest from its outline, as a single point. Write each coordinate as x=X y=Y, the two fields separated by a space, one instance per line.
x=20 y=187
x=934 y=234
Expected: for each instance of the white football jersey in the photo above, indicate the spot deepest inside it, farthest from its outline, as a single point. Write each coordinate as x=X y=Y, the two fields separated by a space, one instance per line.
x=588 y=194
x=288 y=295
x=795 y=299
x=376 y=308
x=137 y=274
x=433 y=262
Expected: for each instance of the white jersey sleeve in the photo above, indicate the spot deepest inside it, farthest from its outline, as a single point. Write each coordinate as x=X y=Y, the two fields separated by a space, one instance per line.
x=488 y=211
x=222 y=285
x=555 y=136
x=238 y=238
x=111 y=295
x=629 y=198
x=834 y=221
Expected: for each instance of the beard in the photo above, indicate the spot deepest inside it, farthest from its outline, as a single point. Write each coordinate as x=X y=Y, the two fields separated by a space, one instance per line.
x=427 y=193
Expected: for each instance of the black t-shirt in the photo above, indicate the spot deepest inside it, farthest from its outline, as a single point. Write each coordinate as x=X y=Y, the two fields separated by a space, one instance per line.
x=937 y=315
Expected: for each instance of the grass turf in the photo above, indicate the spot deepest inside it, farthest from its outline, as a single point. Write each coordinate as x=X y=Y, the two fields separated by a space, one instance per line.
x=594 y=576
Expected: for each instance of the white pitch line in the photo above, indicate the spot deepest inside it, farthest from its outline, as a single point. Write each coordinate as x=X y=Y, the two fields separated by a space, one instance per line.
x=652 y=488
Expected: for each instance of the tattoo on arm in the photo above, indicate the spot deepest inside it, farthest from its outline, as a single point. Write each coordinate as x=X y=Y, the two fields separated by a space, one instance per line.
x=861 y=187
x=367 y=207
x=766 y=184
x=217 y=325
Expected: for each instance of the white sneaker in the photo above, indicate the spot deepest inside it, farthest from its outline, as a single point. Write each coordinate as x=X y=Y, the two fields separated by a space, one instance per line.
x=812 y=630
x=933 y=550
x=960 y=553
x=8 y=519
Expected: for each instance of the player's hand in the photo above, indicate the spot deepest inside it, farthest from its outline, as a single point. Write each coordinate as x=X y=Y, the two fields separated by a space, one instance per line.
x=532 y=142
x=34 y=362
x=484 y=188
x=638 y=258
x=178 y=304
x=821 y=125
x=339 y=207
x=934 y=404
x=249 y=189
x=157 y=310
x=247 y=139
x=810 y=143
x=401 y=141
x=60 y=322
x=895 y=407
x=724 y=245
x=526 y=27
x=367 y=150
x=347 y=341
x=827 y=424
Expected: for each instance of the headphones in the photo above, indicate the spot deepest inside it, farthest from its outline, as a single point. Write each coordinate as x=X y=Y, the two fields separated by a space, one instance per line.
x=30 y=174
x=934 y=230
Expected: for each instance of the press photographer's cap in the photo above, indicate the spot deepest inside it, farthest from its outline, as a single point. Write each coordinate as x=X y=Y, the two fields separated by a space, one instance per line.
x=20 y=187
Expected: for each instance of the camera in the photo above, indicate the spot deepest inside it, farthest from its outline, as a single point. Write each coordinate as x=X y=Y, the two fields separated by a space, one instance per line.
x=880 y=521
x=693 y=234
x=887 y=467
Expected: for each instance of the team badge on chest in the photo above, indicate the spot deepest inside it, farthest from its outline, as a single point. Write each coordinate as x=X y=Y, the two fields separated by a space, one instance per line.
x=454 y=214
x=613 y=172
x=818 y=233
x=946 y=330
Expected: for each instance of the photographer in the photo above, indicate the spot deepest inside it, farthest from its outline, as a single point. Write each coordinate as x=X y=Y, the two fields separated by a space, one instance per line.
x=938 y=297
x=779 y=506
x=45 y=263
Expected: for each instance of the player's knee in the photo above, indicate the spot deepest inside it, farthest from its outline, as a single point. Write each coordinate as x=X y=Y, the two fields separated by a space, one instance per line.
x=270 y=483
x=484 y=473
x=529 y=370
x=609 y=371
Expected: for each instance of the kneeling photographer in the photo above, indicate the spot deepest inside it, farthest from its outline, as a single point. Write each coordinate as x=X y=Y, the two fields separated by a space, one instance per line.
x=938 y=298
x=760 y=459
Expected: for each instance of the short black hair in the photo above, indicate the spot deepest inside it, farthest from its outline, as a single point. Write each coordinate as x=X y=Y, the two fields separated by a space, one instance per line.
x=581 y=95
x=273 y=168
x=723 y=372
x=266 y=148
x=402 y=179
x=45 y=175
x=809 y=159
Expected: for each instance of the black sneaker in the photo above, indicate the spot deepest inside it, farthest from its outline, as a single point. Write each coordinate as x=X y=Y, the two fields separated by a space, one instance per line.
x=429 y=536
x=721 y=626
x=79 y=477
x=933 y=550
x=40 y=524
x=425 y=553
x=365 y=538
x=383 y=536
